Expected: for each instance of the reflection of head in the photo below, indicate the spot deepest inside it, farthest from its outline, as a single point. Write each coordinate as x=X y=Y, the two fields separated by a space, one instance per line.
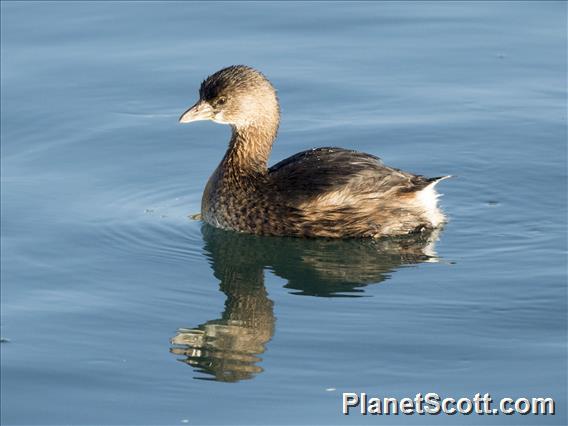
x=224 y=349
x=227 y=348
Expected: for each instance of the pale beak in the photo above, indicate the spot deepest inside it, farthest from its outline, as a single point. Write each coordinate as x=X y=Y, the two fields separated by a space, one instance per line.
x=200 y=111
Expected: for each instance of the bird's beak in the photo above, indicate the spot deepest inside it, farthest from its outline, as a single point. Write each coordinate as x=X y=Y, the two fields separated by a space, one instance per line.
x=200 y=111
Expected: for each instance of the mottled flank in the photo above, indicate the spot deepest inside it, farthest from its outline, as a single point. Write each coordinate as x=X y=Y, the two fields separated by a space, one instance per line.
x=324 y=192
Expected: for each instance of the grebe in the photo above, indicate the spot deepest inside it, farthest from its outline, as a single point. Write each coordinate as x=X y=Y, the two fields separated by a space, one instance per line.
x=322 y=192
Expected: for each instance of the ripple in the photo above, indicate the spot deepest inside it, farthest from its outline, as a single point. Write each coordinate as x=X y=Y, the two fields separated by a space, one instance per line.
x=152 y=223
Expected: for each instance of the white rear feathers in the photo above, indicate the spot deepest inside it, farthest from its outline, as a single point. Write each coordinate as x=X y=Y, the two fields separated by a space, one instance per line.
x=428 y=199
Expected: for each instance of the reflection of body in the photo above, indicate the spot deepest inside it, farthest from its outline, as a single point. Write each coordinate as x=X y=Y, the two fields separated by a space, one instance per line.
x=227 y=348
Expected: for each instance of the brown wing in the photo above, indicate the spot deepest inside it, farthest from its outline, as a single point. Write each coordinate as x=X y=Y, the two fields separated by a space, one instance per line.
x=314 y=173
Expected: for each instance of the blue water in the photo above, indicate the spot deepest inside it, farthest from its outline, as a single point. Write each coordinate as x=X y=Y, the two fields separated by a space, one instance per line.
x=117 y=308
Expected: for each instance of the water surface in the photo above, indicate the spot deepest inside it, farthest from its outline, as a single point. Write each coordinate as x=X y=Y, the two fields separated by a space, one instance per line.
x=119 y=309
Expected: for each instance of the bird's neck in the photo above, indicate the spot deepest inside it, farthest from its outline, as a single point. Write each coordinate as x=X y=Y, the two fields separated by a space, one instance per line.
x=250 y=148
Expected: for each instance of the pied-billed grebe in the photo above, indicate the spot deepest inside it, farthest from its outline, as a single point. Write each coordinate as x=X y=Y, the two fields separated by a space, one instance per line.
x=323 y=192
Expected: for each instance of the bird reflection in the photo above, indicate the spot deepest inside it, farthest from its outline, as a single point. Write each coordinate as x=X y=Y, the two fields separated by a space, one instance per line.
x=227 y=349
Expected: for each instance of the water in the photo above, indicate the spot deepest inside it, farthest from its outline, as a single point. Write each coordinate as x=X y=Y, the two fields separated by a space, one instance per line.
x=119 y=309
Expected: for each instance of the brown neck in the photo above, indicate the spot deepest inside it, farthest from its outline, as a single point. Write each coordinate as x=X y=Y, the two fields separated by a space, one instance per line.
x=249 y=149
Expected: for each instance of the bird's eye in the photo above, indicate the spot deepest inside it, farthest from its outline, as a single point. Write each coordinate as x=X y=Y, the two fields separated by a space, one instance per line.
x=221 y=100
